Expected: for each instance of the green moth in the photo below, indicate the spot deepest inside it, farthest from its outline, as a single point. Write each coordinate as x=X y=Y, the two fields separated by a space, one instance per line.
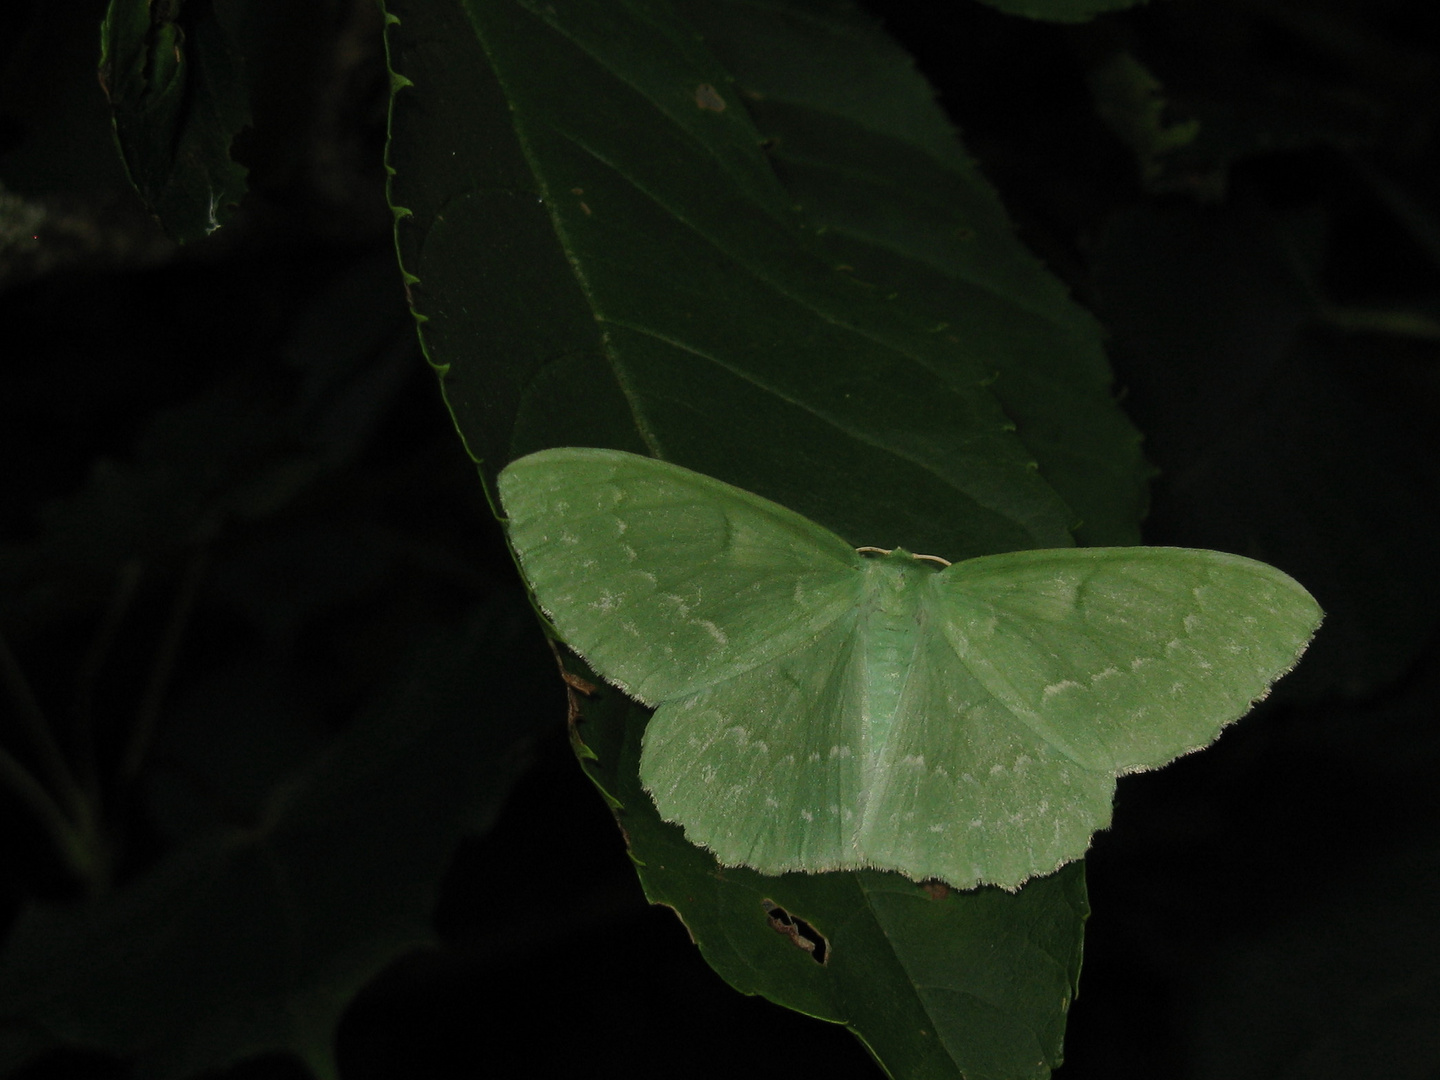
x=819 y=707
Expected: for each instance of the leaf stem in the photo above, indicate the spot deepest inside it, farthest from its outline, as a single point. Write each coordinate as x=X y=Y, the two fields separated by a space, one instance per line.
x=71 y=797
x=128 y=581
x=74 y=842
x=147 y=718
x=1390 y=322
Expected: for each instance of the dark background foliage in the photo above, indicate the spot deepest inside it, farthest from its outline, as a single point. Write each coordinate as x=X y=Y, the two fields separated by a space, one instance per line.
x=233 y=495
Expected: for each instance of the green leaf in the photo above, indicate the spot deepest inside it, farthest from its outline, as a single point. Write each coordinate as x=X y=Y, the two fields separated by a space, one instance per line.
x=1132 y=102
x=179 y=95
x=252 y=940
x=600 y=252
x=602 y=257
x=857 y=140
x=938 y=984
x=1194 y=106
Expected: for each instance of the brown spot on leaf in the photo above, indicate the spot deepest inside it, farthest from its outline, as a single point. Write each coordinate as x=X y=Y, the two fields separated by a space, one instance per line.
x=575 y=682
x=575 y=686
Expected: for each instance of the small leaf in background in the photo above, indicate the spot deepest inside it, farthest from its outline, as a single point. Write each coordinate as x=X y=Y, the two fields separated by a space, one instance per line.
x=179 y=93
x=255 y=940
x=1131 y=101
x=272 y=852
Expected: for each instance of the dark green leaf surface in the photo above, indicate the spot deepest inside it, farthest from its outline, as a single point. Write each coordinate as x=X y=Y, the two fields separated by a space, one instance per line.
x=177 y=90
x=603 y=256
x=936 y=982
x=860 y=144
x=600 y=252
x=246 y=941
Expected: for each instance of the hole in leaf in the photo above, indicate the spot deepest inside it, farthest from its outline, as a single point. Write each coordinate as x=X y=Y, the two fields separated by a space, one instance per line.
x=801 y=934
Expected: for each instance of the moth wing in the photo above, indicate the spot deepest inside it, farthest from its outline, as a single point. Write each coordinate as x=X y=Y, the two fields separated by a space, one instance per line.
x=666 y=580
x=765 y=769
x=1039 y=676
x=964 y=791
x=1123 y=658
